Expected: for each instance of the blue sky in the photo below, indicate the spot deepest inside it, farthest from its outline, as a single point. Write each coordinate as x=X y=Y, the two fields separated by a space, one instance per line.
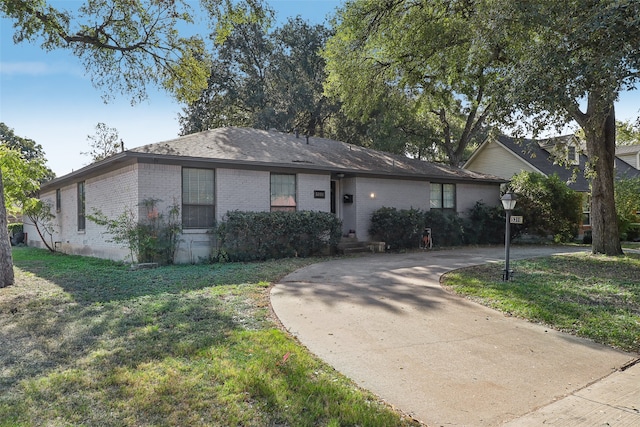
x=46 y=96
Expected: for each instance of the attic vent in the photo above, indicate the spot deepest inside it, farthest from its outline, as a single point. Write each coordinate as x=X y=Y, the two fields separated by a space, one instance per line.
x=302 y=161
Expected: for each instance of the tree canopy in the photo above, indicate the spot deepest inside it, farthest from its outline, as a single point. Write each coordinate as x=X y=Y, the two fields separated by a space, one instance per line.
x=428 y=70
x=104 y=143
x=28 y=148
x=570 y=61
x=24 y=168
x=263 y=77
x=125 y=45
x=628 y=132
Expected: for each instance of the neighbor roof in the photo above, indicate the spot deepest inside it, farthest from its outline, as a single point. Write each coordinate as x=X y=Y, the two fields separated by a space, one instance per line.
x=532 y=151
x=627 y=149
x=245 y=147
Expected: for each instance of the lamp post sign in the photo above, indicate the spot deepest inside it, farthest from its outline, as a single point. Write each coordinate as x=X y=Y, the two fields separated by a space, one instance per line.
x=509 y=203
x=516 y=219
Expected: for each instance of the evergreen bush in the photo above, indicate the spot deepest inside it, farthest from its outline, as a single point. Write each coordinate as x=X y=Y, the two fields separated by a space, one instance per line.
x=253 y=236
x=399 y=229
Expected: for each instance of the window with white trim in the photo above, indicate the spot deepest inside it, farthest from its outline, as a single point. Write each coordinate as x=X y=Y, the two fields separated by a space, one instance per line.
x=283 y=192
x=198 y=198
x=443 y=196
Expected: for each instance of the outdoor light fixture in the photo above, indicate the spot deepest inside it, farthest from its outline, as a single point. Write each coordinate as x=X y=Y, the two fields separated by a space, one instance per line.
x=509 y=203
x=372 y=195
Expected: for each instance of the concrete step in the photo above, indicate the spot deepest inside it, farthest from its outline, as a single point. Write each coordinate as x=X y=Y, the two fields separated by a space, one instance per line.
x=351 y=245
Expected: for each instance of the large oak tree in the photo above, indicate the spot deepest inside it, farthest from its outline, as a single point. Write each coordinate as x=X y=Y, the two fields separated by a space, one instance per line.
x=125 y=45
x=539 y=63
x=569 y=61
x=427 y=68
x=264 y=77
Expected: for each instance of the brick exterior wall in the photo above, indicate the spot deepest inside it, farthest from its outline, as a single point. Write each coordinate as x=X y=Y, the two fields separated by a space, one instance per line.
x=468 y=194
x=110 y=193
x=307 y=184
x=236 y=189
x=371 y=194
x=243 y=190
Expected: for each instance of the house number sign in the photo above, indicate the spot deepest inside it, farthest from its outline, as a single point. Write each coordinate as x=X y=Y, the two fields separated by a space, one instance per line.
x=516 y=220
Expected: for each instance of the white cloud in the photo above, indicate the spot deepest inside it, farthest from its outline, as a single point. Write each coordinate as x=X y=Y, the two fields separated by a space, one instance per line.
x=37 y=68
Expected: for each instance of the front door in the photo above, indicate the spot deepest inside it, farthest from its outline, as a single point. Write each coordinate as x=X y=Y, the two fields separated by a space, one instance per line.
x=334 y=194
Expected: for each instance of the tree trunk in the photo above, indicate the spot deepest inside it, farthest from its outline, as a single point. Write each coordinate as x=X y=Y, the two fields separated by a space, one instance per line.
x=6 y=260
x=604 y=221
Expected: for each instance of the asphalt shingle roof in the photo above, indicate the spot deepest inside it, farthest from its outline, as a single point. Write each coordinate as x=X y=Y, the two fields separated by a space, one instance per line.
x=626 y=149
x=531 y=151
x=271 y=148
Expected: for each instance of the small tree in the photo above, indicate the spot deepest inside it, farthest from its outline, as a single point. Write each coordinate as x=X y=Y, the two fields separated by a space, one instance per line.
x=151 y=238
x=39 y=213
x=105 y=143
x=548 y=205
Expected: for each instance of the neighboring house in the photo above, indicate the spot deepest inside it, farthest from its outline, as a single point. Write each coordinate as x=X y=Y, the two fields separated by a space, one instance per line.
x=505 y=157
x=630 y=154
x=210 y=173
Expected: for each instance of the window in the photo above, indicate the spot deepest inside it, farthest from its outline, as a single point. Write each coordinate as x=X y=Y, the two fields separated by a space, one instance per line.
x=573 y=156
x=443 y=196
x=81 y=207
x=198 y=199
x=283 y=192
x=586 y=209
x=58 y=200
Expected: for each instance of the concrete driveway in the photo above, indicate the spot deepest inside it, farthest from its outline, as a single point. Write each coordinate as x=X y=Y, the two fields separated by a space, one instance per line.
x=384 y=321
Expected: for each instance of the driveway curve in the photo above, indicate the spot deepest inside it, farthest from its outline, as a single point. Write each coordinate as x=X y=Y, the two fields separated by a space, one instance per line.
x=384 y=321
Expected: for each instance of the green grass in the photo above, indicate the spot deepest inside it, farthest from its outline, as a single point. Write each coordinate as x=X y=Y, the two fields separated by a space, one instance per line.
x=87 y=342
x=591 y=296
x=631 y=245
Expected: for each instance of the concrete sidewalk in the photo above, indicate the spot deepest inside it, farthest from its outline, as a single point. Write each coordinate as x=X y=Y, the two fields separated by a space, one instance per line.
x=385 y=322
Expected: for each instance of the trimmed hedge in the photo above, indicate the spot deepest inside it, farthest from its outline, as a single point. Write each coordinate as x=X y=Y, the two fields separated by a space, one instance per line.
x=257 y=236
x=402 y=229
x=399 y=229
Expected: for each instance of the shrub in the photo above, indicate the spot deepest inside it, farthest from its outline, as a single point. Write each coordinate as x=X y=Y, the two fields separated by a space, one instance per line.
x=152 y=238
x=15 y=228
x=484 y=225
x=402 y=228
x=399 y=229
x=627 y=196
x=447 y=228
x=252 y=236
x=548 y=205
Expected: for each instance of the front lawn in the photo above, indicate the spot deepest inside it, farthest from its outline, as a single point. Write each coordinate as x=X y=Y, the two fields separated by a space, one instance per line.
x=87 y=342
x=591 y=296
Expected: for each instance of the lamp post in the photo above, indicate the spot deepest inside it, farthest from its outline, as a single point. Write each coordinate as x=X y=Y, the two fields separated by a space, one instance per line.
x=509 y=203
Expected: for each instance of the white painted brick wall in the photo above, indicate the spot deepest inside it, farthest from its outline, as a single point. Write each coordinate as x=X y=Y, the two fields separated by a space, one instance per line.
x=244 y=190
x=399 y=194
x=469 y=193
x=109 y=193
x=307 y=184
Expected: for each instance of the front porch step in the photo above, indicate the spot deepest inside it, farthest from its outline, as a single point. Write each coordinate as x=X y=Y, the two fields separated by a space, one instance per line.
x=351 y=245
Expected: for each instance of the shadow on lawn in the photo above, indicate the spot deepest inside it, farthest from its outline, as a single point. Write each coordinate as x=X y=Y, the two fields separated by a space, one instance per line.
x=64 y=312
x=93 y=280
